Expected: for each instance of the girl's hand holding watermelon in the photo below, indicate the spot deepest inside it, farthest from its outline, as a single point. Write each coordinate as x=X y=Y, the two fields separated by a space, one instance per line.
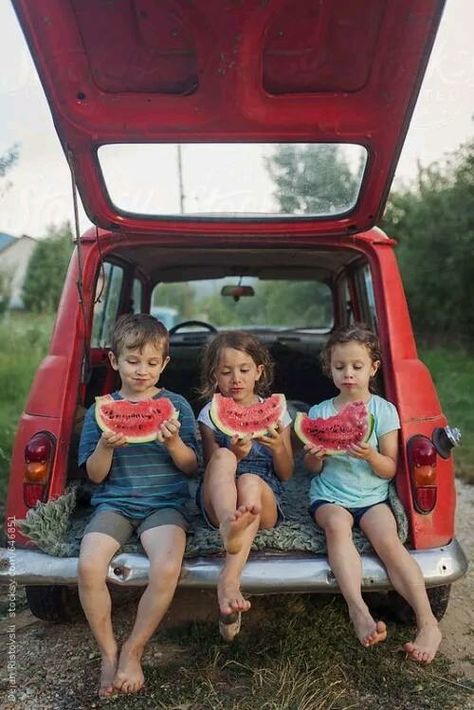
x=362 y=451
x=240 y=446
x=314 y=457
x=318 y=451
x=273 y=439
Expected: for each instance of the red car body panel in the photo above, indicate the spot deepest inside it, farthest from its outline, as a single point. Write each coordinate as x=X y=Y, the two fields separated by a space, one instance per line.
x=142 y=71
x=407 y=381
x=207 y=71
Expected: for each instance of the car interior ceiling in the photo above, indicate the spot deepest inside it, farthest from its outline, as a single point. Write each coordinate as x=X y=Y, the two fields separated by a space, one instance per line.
x=179 y=264
x=296 y=355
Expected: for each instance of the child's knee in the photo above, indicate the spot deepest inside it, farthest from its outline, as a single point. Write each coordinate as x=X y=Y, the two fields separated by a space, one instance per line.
x=388 y=545
x=337 y=527
x=165 y=573
x=90 y=571
x=249 y=488
x=224 y=457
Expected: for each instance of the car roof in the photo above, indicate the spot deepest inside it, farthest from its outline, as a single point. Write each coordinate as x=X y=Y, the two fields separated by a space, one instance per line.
x=306 y=71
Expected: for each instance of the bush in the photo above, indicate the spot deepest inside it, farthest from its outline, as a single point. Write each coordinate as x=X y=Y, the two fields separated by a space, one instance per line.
x=23 y=343
x=47 y=270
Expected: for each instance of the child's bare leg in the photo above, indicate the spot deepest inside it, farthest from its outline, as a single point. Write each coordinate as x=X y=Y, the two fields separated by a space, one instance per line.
x=253 y=494
x=165 y=565
x=164 y=546
x=346 y=566
x=97 y=549
x=219 y=493
x=380 y=526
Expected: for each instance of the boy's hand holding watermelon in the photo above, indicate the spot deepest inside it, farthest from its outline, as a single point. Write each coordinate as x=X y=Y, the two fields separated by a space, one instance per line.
x=168 y=433
x=111 y=440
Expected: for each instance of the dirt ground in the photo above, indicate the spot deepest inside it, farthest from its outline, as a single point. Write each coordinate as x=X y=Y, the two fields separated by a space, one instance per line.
x=55 y=663
x=458 y=623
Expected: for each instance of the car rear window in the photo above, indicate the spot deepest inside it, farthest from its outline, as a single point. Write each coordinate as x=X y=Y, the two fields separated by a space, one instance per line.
x=233 y=179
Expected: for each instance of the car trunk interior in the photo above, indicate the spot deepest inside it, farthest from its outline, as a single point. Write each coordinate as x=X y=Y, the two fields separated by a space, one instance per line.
x=295 y=350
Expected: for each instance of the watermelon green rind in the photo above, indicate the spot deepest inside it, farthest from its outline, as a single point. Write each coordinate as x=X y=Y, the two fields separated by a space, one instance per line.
x=354 y=424
x=371 y=427
x=138 y=421
x=233 y=419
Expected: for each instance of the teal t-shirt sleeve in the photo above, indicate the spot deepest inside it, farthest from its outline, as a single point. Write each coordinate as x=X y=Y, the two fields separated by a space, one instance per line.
x=386 y=417
x=315 y=410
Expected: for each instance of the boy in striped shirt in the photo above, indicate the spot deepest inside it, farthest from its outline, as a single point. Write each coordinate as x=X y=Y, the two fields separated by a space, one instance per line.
x=141 y=487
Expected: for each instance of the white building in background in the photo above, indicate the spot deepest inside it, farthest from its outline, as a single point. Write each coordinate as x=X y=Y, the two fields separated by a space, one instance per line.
x=15 y=253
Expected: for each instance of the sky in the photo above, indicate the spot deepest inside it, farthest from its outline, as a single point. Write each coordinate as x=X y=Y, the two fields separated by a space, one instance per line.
x=40 y=190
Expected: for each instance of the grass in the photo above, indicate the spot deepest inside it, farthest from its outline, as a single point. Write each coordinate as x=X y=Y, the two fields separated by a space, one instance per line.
x=301 y=656
x=453 y=373
x=23 y=343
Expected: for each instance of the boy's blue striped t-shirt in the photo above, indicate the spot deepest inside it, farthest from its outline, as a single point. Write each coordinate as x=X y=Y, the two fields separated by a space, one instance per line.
x=143 y=477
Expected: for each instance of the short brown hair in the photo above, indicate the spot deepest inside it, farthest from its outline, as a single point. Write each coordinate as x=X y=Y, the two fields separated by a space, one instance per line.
x=357 y=332
x=238 y=340
x=135 y=330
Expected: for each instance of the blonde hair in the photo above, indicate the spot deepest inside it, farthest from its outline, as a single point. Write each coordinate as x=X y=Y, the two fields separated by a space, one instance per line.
x=237 y=340
x=135 y=330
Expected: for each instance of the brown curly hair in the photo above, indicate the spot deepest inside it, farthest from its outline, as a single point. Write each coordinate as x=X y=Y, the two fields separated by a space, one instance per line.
x=357 y=332
x=237 y=340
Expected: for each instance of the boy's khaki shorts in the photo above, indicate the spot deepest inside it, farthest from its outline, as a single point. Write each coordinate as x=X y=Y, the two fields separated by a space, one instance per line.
x=118 y=526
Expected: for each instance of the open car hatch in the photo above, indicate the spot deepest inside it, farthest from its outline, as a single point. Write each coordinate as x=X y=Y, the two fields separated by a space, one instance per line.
x=135 y=84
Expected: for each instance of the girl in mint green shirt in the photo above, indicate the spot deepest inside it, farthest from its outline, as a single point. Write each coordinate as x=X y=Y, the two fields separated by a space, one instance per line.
x=352 y=489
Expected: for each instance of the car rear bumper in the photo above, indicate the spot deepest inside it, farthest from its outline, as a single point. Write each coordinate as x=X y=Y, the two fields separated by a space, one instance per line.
x=264 y=573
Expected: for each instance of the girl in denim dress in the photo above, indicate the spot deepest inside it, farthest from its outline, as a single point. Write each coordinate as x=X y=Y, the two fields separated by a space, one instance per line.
x=241 y=489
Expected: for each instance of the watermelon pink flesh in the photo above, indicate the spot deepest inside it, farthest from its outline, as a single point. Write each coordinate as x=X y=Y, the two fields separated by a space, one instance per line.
x=352 y=425
x=235 y=420
x=138 y=421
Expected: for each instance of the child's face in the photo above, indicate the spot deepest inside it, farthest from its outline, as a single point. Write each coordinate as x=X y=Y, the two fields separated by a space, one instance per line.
x=139 y=370
x=352 y=368
x=236 y=375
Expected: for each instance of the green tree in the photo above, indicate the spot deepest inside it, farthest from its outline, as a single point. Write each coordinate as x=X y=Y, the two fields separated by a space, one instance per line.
x=290 y=304
x=309 y=179
x=175 y=295
x=7 y=161
x=312 y=178
x=47 y=270
x=6 y=279
x=434 y=223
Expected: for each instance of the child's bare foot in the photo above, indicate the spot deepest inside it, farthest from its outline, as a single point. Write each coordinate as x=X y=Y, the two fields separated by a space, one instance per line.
x=368 y=631
x=229 y=626
x=108 y=668
x=129 y=677
x=232 y=527
x=423 y=648
x=230 y=597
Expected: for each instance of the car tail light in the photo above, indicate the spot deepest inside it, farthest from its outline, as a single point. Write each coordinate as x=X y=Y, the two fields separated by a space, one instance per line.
x=39 y=453
x=422 y=462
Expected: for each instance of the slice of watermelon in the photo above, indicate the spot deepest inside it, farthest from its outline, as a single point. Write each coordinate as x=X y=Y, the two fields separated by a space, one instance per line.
x=235 y=420
x=352 y=425
x=138 y=421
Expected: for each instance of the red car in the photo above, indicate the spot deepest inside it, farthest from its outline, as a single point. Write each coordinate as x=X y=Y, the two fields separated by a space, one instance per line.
x=235 y=158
